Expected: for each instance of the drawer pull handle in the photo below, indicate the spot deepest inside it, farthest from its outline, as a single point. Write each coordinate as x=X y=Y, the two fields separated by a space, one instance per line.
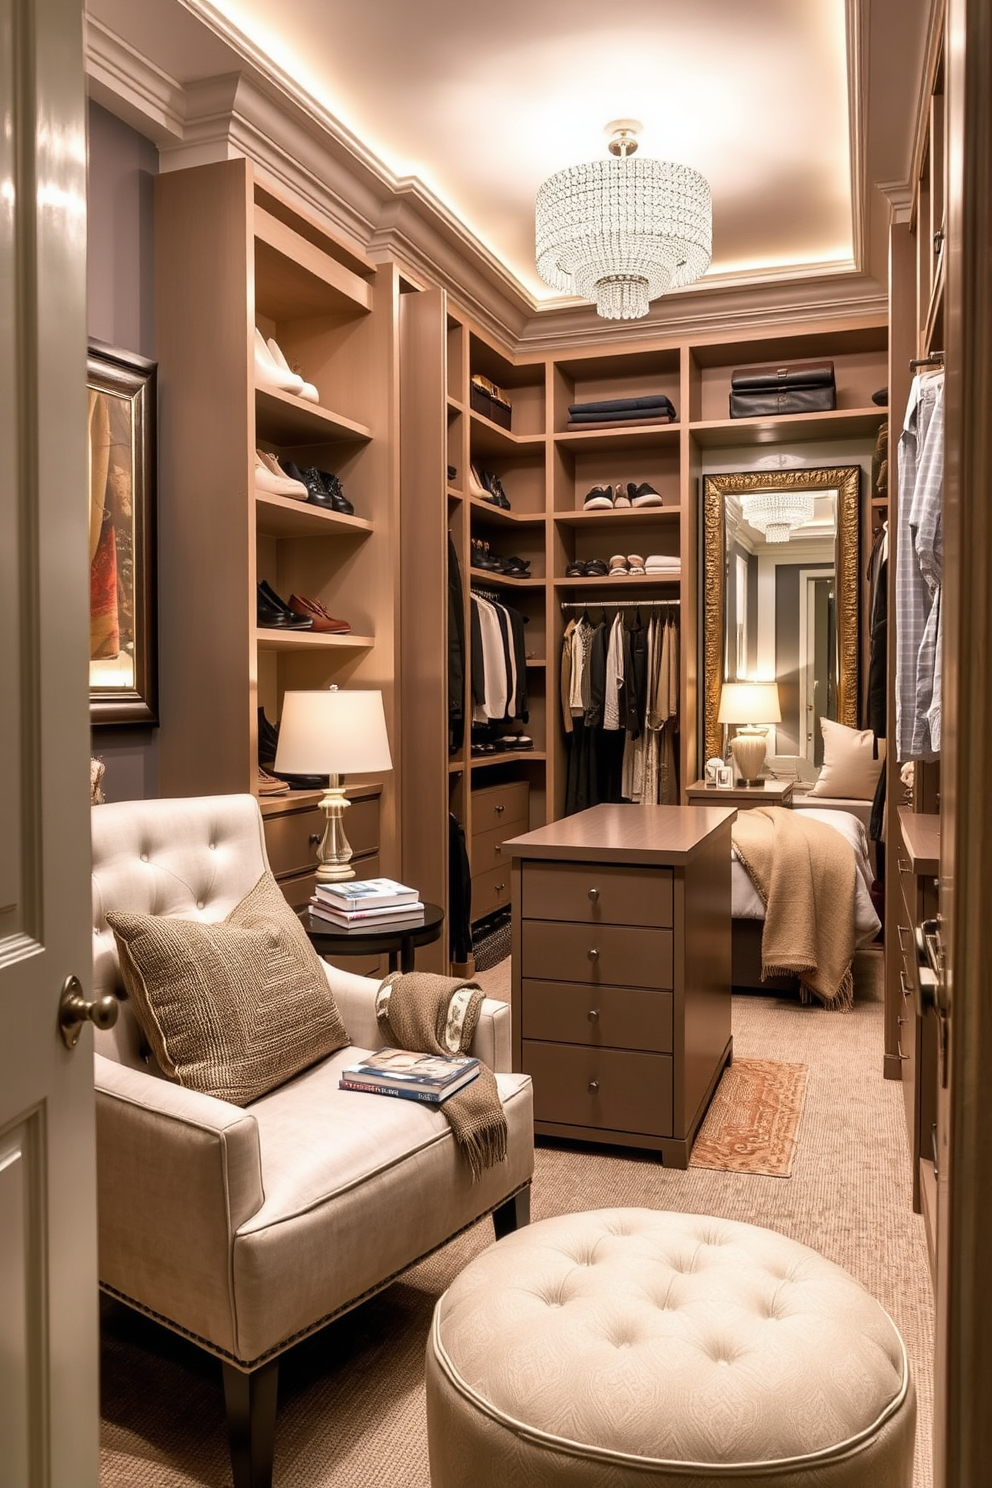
x=907 y=991
x=593 y=1015
x=500 y=887
x=499 y=810
x=594 y=895
x=314 y=839
x=593 y=1086
x=593 y=953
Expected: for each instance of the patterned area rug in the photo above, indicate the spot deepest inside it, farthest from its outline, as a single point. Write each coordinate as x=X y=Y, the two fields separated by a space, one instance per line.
x=753 y=1119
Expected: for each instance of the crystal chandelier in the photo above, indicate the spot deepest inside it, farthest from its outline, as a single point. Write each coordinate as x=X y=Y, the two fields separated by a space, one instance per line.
x=776 y=514
x=623 y=231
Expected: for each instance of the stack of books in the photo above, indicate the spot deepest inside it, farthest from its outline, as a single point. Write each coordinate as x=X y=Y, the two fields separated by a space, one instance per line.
x=430 y=1078
x=367 y=904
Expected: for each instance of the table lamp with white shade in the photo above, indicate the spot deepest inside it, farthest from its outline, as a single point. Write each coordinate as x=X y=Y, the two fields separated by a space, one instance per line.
x=752 y=706
x=333 y=733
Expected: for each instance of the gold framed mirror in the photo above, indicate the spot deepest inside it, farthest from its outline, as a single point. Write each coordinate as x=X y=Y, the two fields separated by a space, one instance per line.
x=786 y=506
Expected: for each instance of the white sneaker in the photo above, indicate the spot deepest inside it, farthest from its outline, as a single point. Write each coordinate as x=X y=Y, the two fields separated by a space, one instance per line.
x=273 y=481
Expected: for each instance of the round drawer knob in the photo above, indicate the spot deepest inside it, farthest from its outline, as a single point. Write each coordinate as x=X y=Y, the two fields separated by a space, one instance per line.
x=594 y=895
x=499 y=810
x=314 y=839
x=593 y=1086
x=593 y=953
x=593 y=1015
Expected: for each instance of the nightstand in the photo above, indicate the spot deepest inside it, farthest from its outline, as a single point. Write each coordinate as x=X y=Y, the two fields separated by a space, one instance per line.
x=768 y=793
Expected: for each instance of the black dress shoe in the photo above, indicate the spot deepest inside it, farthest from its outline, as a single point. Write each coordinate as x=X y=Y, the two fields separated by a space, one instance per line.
x=268 y=739
x=272 y=613
x=333 y=490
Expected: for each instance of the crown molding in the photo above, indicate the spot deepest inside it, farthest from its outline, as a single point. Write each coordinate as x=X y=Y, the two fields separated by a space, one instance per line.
x=899 y=195
x=301 y=151
x=126 y=83
x=719 y=318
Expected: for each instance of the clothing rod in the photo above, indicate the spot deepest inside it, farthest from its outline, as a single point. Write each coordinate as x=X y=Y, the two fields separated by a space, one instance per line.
x=620 y=604
x=935 y=359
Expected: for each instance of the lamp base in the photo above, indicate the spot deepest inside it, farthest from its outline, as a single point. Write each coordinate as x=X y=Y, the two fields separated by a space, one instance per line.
x=334 y=849
x=748 y=749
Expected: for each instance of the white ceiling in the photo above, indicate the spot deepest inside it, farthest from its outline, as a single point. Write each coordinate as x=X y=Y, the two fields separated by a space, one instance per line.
x=481 y=102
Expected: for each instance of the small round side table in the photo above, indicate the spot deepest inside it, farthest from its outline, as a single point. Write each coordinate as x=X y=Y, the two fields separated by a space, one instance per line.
x=399 y=943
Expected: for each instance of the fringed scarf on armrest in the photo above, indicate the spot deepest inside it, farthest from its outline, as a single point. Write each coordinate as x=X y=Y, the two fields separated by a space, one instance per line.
x=433 y=1014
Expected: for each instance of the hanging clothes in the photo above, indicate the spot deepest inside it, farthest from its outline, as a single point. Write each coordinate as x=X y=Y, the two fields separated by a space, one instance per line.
x=919 y=571
x=456 y=652
x=620 y=691
x=499 y=662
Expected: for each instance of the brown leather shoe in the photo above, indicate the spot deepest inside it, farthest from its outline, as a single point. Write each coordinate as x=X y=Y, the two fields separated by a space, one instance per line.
x=271 y=785
x=313 y=610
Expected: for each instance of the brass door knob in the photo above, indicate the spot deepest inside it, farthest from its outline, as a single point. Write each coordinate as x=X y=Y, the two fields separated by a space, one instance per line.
x=75 y=1010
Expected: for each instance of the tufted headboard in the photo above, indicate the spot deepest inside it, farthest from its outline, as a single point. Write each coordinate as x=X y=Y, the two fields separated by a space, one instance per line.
x=193 y=857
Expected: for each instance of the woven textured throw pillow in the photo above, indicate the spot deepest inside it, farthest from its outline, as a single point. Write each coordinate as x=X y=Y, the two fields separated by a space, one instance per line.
x=231 y=1009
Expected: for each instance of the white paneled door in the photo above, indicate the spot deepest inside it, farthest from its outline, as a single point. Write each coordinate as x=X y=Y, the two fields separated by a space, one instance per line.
x=48 y=1300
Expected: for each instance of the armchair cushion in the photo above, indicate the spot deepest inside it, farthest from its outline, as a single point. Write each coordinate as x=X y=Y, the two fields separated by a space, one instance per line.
x=231 y=1009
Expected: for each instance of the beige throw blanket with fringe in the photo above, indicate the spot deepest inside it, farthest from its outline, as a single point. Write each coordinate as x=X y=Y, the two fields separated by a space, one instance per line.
x=434 y=1014
x=804 y=872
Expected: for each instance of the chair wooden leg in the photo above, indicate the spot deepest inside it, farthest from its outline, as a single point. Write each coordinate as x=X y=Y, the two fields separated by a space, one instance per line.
x=251 y=1423
x=512 y=1215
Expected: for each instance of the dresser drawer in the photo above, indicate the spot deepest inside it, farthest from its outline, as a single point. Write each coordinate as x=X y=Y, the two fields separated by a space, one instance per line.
x=594 y=894
x=495 y=805
x=485 y=852
x=291 y=838
x=603 y=1017
x=609 y=1089
x=597 y=955
x=490 y=891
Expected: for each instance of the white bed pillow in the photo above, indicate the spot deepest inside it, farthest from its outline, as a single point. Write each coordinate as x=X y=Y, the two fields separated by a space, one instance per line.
x=849 y=768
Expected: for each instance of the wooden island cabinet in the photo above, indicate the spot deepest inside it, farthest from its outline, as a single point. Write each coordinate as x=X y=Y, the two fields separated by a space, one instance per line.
x=621 y=972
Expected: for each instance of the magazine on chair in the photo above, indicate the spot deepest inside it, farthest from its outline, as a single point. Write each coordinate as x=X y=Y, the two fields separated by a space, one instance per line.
x=405 y=1072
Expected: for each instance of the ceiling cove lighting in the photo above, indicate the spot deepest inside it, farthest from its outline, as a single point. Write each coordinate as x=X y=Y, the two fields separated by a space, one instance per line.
x=777 y=514
x=623 y=231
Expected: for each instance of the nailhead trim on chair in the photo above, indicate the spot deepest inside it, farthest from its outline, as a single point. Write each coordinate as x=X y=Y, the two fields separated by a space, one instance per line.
x=287 y=1343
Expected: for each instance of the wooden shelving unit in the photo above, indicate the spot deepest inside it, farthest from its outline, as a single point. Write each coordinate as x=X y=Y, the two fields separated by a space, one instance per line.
x=546 y=471
x=230 y=257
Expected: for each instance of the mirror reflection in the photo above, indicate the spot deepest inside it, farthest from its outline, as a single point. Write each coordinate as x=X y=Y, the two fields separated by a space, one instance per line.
x=780 y=593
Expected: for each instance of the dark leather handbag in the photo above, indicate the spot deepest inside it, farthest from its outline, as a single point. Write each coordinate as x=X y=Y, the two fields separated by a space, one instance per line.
x=787 y=400
x=799 y=387
x=777 y=376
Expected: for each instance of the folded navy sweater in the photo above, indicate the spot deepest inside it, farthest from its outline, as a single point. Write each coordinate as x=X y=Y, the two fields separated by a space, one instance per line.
x=626 y=405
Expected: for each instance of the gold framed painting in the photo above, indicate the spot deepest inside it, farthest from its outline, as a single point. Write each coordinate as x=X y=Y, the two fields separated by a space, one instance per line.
x=123 y=659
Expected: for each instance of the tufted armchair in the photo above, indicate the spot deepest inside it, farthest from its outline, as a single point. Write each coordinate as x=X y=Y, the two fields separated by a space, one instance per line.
x=245 y=1229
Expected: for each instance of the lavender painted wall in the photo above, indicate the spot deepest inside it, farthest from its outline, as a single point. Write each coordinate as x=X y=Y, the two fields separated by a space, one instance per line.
x=121 y=310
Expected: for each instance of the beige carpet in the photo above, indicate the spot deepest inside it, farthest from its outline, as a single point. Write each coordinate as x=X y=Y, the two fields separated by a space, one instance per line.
x=351 y=1399
x=753 y=1120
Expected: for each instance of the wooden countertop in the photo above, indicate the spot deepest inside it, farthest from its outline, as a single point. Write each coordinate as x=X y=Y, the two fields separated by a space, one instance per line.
x=624 y=834
x=921 y=836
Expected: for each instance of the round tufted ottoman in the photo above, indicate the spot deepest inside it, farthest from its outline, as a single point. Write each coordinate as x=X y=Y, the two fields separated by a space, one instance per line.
x=638 y=1347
